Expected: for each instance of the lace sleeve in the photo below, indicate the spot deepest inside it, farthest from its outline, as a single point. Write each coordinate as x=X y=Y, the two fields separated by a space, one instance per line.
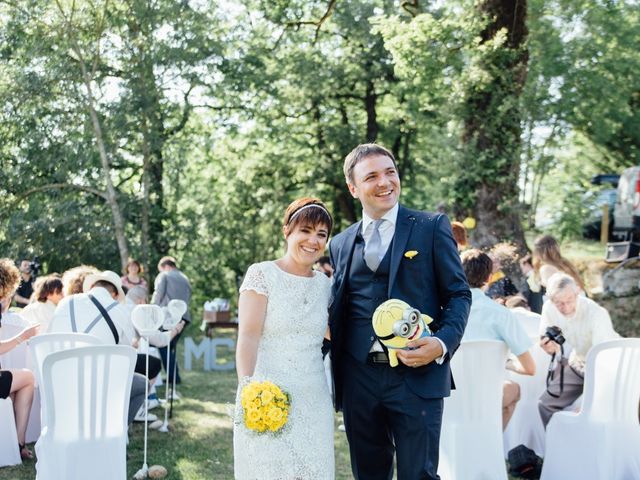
x=255 y=280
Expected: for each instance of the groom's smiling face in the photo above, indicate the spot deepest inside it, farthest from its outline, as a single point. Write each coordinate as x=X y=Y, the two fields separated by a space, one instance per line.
x=376 y=184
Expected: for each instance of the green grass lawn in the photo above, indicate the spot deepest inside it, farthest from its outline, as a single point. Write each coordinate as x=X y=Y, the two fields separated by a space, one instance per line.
x=200 y=442
x=575 y=249
x=199 y=445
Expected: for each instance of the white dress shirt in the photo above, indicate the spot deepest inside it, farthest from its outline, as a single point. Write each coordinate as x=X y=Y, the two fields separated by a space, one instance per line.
x=387 y=229
x=86 y=311
x=589 y=326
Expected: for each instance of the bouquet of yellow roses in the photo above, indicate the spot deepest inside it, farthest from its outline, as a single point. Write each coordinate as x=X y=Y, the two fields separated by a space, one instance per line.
x=265 y=406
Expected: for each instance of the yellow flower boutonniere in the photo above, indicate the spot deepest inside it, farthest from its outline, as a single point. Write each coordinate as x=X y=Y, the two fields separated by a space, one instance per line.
x=410 y=254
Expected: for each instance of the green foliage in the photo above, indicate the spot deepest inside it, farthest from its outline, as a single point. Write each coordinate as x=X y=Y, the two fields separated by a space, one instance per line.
x=215 y=115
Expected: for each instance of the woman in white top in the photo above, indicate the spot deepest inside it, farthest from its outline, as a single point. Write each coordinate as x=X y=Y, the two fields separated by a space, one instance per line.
x=18 y=383
x=48 y=292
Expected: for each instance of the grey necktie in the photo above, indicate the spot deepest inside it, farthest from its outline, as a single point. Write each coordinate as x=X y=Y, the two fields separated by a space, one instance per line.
x=372 y=249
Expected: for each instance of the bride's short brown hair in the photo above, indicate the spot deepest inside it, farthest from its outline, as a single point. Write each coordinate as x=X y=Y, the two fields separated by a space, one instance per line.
x=307 y=211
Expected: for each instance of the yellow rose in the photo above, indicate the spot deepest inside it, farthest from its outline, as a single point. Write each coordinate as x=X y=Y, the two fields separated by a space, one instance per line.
x=267 y=397
x=275 y=415
x=249 y=392
x=252 y=415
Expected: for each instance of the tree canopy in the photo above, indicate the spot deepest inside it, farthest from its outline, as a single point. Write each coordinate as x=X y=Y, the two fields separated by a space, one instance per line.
x=131 y=127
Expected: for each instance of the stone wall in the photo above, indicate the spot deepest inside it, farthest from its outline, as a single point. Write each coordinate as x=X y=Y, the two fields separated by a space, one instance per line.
x=616 y=286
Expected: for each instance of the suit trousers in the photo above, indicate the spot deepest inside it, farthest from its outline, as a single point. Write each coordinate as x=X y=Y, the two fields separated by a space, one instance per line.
x=136 y=396
x=383 y=415
x=173 y=365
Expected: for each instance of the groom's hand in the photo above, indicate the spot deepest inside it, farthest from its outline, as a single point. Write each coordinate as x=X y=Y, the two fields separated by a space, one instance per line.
x=426 y=350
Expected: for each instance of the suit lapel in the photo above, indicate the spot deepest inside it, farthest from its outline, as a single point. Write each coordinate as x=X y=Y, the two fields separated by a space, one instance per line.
x=400 y=238
x=344 y=259
x=348 y=246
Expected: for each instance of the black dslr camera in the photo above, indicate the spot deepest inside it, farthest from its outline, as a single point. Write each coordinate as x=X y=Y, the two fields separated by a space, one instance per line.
x=34 y=266
x=554 y=333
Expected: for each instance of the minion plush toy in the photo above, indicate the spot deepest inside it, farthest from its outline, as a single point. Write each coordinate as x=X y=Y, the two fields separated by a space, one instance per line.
x=396 y=323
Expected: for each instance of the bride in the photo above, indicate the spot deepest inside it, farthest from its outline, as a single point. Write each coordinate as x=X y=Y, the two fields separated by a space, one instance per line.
x=282 y=322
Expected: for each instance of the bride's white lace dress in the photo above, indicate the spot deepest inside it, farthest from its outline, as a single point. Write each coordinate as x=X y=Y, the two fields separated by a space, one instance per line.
x=290 y=355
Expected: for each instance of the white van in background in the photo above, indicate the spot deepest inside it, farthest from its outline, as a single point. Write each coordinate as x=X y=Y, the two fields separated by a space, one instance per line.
x=626 y=212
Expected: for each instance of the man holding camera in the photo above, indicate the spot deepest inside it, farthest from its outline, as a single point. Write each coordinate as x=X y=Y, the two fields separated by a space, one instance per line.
x=25 y=289
x=568 y=315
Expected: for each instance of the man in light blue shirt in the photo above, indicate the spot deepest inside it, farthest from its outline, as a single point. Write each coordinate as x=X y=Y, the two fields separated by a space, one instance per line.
x=488 y=320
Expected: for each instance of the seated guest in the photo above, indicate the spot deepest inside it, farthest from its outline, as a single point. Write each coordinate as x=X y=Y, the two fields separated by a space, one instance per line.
x=520 y=308
x=323 y=264
x=17 y=383
x=532 y=290
x=582 y=323
x=460 y=235
x=73 y=279
x=48 y=292
x=490 y=321
x=131 y=277
x=77 y=313
x=100 y=312
x=138 y=296
x=499 y=286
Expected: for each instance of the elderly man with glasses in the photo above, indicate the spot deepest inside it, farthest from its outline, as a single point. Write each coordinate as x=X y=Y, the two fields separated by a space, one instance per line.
x=582 y=323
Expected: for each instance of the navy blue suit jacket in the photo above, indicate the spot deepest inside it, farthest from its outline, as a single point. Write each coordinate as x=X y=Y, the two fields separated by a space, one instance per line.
x=432 y=281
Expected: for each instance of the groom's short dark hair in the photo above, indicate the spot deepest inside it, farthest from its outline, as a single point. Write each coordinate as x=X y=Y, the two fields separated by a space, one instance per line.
x=360 y=153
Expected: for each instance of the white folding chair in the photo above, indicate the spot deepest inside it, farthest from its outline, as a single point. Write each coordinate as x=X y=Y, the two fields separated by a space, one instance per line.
x=9 y=452
x=602 y=441
x=86 y=393
x=525 y=426
x=471 y=438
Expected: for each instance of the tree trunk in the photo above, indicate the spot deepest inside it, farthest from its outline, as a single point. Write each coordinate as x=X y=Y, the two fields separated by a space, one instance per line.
x=370 y=100
x=146 y=204
x=111 y=196
x=492 y=129
x=150 y=112
x=87 y=78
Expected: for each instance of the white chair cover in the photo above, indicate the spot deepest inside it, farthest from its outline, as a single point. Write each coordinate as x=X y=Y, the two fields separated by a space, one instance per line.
x=471 y=438
x=9 y=454
x=529 y=320
x=34 y=426
x=86 y=393
x=602 y=442
x=42 y=345
x=525 y=426
x=17 y=357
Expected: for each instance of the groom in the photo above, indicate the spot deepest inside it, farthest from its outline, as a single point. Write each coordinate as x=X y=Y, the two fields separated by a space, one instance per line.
x=404 y=254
